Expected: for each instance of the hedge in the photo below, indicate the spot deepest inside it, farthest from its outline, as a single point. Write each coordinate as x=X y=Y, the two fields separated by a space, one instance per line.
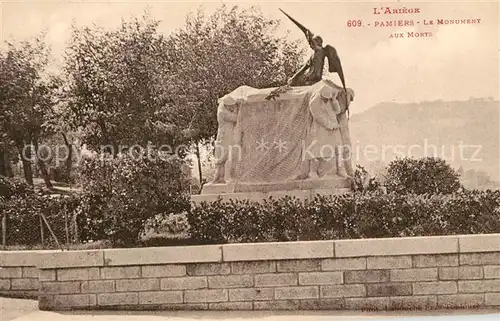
x=357 y=215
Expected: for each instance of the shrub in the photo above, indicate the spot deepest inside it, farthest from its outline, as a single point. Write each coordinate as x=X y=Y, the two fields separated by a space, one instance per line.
x=420 y=176
x=10 y=187
x=359 y=215
x=120 y=194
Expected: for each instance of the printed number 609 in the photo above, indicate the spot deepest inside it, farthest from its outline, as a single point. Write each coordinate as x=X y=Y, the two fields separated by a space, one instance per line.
x=354 y=23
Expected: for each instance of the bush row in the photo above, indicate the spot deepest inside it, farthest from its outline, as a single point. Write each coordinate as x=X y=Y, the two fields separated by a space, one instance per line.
x=357 y=215
x=119 y=195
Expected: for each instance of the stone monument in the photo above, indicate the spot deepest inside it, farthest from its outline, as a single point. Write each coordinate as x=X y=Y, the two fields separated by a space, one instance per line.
x=292 y=140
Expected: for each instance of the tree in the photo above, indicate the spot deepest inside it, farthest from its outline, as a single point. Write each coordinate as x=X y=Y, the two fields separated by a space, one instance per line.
x=118 y=86
x=25 y=100
x=213 y=55
x=420 y=176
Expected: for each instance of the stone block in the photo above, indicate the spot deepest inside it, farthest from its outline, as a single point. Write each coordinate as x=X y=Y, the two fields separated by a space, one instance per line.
x=210 y=188
x=162 y=297
x=276 y=279
x=163 y=255
x=47 y=275
x=479 y=286
x=423 y=274
x=343 y=291
x=227 y=306
x=322 y=304
x=30 y=272
x=298 y=265
x=388 y=262
x=396 y=246
x=4 y=284
x=205 y=296
x=479 y=243
x=107 y=286
x=367 y=303
x=20 y=258
x=10 y=272
x=208 y=269
x=320 y=278
x=76 y=274
x=60 y=287
x=460 y=301
x=388 y=289
x=163 y=271
x=293 y=187
x=133 y=285
x=480 y=258
x=296 y=292
x=74 y=300
x=70 y=259
x=446 y=287
x=184 y=283
x=436 y=260
x=326 y=184
x=492 y=272
x=230 y=281
x=420 y=302
x=122 y=272
x=24 y=284
x=253 y=294
x=278 y=251
x=277 y=305
x=368 y=276
x=45 y=302
x=461 y=273
x=492 y=299
x=116 y=299
x=344 y=264
x=253 y=267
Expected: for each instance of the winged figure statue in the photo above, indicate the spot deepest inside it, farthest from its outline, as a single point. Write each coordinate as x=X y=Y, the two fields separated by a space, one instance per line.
x=312 y=71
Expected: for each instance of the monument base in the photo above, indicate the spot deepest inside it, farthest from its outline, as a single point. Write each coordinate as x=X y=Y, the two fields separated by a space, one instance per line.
x=301 y=189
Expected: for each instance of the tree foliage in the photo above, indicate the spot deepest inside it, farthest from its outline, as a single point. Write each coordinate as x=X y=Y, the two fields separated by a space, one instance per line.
x=118 y=85
x=26 y=96
x=420 y=176
x=213 y=55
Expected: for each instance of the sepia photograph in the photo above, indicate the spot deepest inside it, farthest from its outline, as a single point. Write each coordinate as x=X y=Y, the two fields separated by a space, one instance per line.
x=258 y=160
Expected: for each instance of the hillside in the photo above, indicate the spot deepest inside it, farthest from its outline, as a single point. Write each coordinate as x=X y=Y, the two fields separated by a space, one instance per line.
x=437 y=128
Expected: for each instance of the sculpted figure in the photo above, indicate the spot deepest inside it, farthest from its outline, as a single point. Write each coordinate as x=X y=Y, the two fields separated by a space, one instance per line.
x=227 y=114
x=312 y=71
x=324 y=139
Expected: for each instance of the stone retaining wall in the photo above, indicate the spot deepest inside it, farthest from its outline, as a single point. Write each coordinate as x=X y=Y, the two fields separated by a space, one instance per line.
x=19 y=274
x=399 y=273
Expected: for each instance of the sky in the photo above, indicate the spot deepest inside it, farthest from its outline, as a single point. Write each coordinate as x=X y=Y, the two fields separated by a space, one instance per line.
x=455 y=63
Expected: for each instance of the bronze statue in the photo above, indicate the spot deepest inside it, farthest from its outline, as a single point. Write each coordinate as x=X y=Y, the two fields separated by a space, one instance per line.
x=312 y=71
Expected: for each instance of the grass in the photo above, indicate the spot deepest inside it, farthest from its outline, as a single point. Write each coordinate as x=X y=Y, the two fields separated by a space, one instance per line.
x=152 y=240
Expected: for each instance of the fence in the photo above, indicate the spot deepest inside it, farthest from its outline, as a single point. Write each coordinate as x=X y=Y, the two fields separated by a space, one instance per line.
x=39 y=222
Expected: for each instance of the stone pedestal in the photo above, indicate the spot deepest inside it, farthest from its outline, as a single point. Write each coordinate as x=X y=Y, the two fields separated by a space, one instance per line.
x=301 y=189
